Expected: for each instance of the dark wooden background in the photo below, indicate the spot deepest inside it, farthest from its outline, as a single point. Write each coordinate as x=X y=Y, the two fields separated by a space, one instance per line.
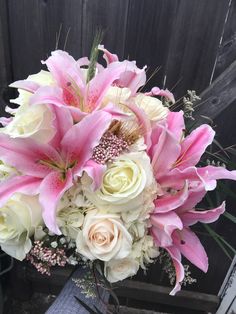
x=193 y=42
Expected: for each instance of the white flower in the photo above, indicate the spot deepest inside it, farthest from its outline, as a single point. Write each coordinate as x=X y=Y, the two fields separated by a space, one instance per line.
x=18 y=219
x=69 y=221
x=43 y=78
x=144 y=251
x=34 y=121
x=124 y=184
x=103 y=237
x=116 y=270
x=116 y=95
x=152 y=107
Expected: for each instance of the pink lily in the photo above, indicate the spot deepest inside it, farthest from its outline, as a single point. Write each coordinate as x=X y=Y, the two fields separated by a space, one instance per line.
x=171 y=231
x=174 y=161
x=49 y=169
x=74 y=93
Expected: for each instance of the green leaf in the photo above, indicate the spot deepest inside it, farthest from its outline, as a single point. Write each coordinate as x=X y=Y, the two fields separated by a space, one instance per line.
x=94 y=55
x=219 y=239
x=220 y=147
x=230 y=217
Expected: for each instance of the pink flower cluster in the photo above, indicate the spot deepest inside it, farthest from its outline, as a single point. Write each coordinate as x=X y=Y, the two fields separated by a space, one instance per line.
x=43 y=258
x=82 y=143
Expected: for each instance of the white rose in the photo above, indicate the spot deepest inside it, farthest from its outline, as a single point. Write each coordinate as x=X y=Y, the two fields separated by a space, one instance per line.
x=116 y=270
x=18 y=219
x=69 y=221
x=43 y=78
x=123 y=185
x=152 y=107
x=116 y=95
x=34 y=121
x=103 y=237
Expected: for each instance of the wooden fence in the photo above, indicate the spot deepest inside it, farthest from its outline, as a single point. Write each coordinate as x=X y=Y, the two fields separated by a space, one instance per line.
x=192 y=42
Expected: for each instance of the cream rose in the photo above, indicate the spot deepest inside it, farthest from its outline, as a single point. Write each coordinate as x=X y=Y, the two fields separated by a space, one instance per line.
x=152 y=107
x=35 y=122
x=43 y=78
x=103 y=237
x=116 y=95
x=18 y=219
x=116 y=270
x=32 y=121
x=123 y=185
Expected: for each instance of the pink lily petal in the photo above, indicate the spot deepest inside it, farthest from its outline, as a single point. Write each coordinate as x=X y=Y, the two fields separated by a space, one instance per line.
x=115 y=112
x=166 y=153
x=25 y=155
x=155 y=138
x=195 y=195
x=48 y=95
x=26 y=85
x=54 y=95
x=22 y=184
x=156 y=91
x=163 y=225
x=176 y=126
x=64 y=68
x=62 y=122
x=83 y=61
x=79 y=142
x=52 y=189
x=175 y=178
x=5 y=121
x=95 y=171
x=109 y=57
x=179 y=269
x=143 y=122
x=210 y=174
x=99 y=85
x=132 y=79
x=170 y=202
x=191 y=217
x=190 y=246
x=194 y=145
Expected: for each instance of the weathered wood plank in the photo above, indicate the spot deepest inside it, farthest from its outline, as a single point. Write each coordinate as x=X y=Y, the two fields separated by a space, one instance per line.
x=156 y=294
x=33 y=27
x=218 y=96
x=227 y=49
x=5 y=54
x=130 y=310
x=195 y=37
x=111 y=17
x=148 y=34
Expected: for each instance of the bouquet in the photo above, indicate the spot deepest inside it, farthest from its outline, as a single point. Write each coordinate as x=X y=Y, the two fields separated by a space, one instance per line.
x=94 y=170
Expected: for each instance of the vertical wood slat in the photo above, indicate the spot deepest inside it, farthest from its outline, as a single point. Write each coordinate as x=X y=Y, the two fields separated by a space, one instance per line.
x=148 y=34
x=111 y=17
x=33 y=27
x=227 y=49
x=5 y=53
x=195 y=37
